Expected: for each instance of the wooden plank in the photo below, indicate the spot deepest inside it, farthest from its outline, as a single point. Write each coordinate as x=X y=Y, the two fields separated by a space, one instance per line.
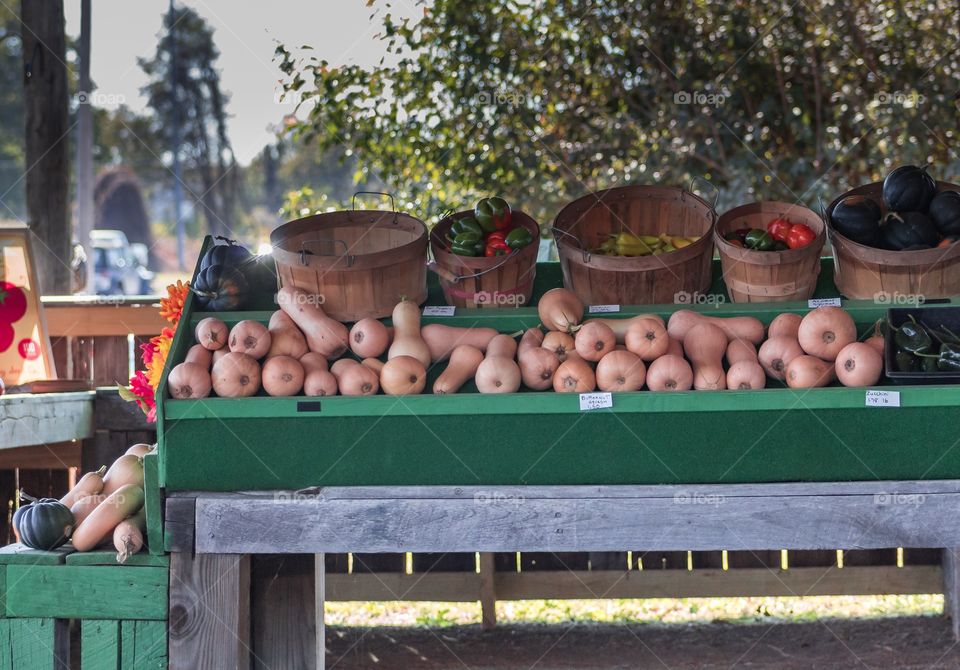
x=110 y=317
x=42 y=456
x=111 y=412
x=682 y=494
x=109 y=557
x=144 y=645
x=179 y=521
x=100 y=644
x=35 y=644
x=488 y=591
x=111 y=360
x=320 y=599
x=256 y=525
x=18 y=554
x=709 y=583
x=153 y=503
x=951 y=588
x=47 y=418
x=209 y=612
x=86 y=592
x=282 y=606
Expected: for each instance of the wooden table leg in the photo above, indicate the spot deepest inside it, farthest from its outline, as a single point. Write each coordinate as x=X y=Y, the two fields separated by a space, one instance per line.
x=488 y=591
x=950 y=566
x=209 y=611
x=320 y=572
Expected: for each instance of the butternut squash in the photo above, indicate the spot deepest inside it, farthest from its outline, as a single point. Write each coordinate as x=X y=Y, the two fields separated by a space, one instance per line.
x=574 y=375
x=705 y=344
x=464 y=361
x=369 y=338
x=537 y=364
x=735 y=327
x=859 y=364
x=403 y=375
x=236 y=376
x=776 y=353
x=251 y=338
x=498 y=372
x=313 y=361
x=282 y=376
x=441 y=340
x=675 y=347
x=647 y=338
x=90 y=484
x=805 y=372
x=354 y=379
x=189 y=380
x=287 y=342
x=319 y=383
x=84 y=505
x=784 y=325
x=374 y=364
x=620 y=371
x=407 y=340
x=99 y=525
x=594 y=340
x=279 y=320
x=128 y=535
x=670 y=373
x=326 y=336
x=621 y=326
x=561 y=344
x=746 y=374
x=825 y=331
x=200 y=355
x=126 y=470
x=741 y=350
x=212 y=333
x=140 y=449
x=560 y=309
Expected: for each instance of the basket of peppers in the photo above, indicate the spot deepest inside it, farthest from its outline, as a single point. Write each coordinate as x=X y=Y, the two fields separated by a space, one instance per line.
x=486 y=256
x=770 y=251
x=922 y=346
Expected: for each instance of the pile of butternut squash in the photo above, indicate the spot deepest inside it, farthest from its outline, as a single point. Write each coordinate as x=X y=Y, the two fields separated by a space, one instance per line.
x=302 y=350
x=108 y=504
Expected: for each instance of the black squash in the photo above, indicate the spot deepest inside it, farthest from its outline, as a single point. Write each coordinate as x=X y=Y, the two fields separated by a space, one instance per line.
x=945 y=212
x=44 y=524
x=231 y=254
x=220 y=288
x=857 y=218
x=907 y=231
x=909 y=189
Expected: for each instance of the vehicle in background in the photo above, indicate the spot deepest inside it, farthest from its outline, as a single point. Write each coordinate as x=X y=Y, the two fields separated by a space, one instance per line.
x=119 y=268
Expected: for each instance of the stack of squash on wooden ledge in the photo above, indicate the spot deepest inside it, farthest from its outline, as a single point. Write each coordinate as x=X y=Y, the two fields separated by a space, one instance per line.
x=105 y=506
x=303 y=351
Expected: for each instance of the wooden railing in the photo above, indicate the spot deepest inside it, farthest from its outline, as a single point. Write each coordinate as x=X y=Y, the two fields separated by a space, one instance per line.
x=97 y=339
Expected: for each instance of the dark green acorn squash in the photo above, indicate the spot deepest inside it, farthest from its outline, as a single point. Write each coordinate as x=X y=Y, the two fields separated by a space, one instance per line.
x=220 y=288
x=231 y=254
x=44 y=524
x=909 y=189
x=857 y=218
x=908 y=231
x=945 y=212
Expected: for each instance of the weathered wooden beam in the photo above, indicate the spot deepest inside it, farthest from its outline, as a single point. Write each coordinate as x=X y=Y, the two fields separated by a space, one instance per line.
x=28 y=420
x=113 y=413
x=209 y=625
x=42 y=456
x=283 y=608
x=320 y=600
x=697 y=522
x=99 y=316
x=708 y=583
x=179 y=524
x=951 y=588
x=488 y=591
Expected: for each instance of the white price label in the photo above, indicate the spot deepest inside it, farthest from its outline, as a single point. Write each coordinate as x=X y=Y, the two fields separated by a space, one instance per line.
x=603 y=309
x=813 y=303
x=883 y=398
x=590 y=401
x=439 y=310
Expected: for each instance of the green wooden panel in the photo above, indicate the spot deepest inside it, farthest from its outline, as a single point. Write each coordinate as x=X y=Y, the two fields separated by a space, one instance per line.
x=151 y=487
x=30 y=644
x=142 y=559
x=87 y=592
x=144 y=645
x=18 y=554
x=100 y=645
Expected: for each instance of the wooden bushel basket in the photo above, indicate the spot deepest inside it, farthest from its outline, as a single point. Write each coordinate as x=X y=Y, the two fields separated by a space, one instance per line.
x=499 y=281
x=867 y=273
x=769 y=276
x=642 y=210
x=359 y=263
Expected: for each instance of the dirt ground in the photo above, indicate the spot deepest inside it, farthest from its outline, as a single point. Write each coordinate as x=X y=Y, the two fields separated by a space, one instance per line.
x=909 y=643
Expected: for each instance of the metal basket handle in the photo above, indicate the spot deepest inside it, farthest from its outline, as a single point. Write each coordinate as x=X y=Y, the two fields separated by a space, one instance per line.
x=393 y=203
x=713 y=187
x=346 y=251
x=586 y=252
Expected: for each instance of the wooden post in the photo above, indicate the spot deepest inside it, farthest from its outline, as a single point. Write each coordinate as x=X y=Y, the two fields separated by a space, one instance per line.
x=320 y=571
x=46 y=137
x=488 y=591
x=209 y=611
x=85 y=210
x=950 y=567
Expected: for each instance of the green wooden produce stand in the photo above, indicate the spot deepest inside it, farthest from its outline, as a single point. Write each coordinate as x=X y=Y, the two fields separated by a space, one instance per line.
x=773 y=435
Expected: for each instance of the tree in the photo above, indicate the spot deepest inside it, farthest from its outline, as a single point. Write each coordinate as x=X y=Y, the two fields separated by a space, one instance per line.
x=545 y=101
x=198 y=105
x=12 y=204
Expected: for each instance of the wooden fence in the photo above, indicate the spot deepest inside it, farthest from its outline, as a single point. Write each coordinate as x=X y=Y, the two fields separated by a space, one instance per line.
x=95 y=339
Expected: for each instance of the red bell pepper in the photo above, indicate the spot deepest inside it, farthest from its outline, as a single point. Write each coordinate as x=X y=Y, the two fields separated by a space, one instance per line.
x=496 y=236
x=800 y=236
x=493 y=214
x=779 y=228
x=497 y=248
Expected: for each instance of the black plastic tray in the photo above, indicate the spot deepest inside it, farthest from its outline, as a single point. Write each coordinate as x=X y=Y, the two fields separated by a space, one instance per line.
x=934 y=317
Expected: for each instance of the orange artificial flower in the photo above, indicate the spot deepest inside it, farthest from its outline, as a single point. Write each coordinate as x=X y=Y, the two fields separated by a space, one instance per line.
x=171 y=307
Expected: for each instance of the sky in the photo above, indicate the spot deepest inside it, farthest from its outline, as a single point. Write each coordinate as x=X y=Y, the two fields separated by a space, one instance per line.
x=245 y=32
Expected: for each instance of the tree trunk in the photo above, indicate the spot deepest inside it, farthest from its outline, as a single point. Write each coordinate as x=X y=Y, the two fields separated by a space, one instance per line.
x=46 y=137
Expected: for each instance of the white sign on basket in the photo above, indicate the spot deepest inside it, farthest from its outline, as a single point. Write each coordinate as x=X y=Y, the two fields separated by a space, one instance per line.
x=813 y=303
x=590 y=401
x=439 y=310
x=603 y=309
x=883 y=398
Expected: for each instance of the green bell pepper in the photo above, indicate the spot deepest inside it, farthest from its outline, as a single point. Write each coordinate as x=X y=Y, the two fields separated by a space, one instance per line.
x=518 y=238
x=913 y=337
x=759 y=240
x=466 y=225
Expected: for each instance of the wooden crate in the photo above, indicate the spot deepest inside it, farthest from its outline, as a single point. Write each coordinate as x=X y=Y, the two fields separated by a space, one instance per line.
x=121 y=610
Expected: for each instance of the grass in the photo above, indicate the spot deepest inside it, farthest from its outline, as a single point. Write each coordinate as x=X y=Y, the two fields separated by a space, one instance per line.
x=654 y=611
